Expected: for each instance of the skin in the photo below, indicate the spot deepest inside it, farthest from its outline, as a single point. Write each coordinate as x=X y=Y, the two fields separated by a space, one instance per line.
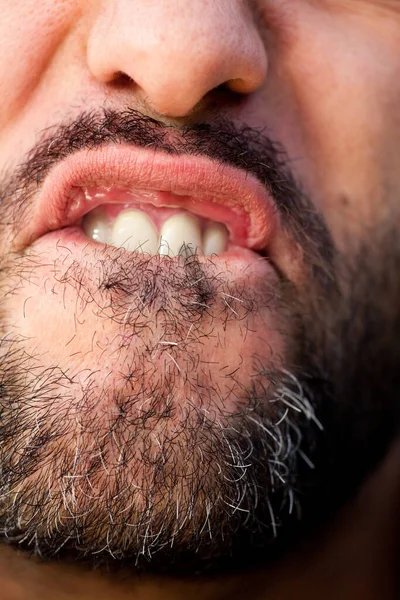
x=323 y=77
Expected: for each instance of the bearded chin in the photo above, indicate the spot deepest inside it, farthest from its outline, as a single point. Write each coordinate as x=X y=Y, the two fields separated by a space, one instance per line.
x=168 y=477
x=156 y=493
x=152 y=469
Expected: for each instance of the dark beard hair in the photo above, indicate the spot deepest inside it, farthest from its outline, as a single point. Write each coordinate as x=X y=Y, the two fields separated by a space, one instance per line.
x=335 y=406
x=353 y=343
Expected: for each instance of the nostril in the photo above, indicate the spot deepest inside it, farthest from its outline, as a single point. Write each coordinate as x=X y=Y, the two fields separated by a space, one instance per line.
x=122 y=80
x=172 y=59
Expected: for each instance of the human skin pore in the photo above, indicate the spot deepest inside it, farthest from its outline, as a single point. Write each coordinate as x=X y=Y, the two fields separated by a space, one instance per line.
x=197 y=198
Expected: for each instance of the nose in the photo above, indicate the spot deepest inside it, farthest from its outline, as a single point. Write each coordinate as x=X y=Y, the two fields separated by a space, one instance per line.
x=176 y=51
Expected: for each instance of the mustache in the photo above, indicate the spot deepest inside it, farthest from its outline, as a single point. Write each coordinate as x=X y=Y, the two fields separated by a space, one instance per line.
x=246 y=148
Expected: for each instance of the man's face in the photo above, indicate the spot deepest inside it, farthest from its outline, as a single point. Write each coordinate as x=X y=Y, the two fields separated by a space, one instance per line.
x=189 y=192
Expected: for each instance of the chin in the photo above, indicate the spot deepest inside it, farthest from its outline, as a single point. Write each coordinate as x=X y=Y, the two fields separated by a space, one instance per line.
x=142 y=397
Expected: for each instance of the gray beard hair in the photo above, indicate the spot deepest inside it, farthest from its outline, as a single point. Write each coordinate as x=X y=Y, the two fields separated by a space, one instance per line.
x=223 y=488
x=206 y=481
x=133 y=487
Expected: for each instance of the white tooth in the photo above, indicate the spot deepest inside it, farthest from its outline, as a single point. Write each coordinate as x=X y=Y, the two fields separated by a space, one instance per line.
x=215 y=239
x=96 y=226
x=180 y=229
x=134 y=231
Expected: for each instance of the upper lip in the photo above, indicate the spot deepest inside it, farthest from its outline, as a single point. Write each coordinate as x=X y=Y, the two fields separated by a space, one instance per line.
x=60 y=201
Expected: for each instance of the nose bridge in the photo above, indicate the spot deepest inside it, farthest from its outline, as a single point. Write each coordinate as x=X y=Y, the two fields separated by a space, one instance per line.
x=176 y=51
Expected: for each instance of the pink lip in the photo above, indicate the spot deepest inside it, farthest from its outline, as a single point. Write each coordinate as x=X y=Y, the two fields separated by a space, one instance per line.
x=191 y=179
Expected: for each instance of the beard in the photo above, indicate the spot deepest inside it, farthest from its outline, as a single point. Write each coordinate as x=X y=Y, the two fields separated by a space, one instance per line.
x=150 y=453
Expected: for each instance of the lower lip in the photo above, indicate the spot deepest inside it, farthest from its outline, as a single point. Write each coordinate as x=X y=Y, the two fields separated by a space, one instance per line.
x=75 y=241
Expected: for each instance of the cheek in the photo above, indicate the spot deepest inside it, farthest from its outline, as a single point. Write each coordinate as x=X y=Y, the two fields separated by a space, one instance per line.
x=30 y=32
x=343 y=69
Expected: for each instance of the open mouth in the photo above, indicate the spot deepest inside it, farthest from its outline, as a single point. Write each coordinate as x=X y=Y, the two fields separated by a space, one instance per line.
x=154 y=226
x=145 y=201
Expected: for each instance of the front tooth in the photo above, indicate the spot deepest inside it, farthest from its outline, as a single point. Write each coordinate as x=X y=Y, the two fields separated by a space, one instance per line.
x=96 y=226
x=134 y=231
x=179 y=230
x=215 y=239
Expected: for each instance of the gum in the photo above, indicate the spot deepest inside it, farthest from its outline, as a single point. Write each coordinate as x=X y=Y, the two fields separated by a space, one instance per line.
x=160 y=206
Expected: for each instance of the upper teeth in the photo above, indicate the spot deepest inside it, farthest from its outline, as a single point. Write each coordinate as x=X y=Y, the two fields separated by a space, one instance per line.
x=134 y=231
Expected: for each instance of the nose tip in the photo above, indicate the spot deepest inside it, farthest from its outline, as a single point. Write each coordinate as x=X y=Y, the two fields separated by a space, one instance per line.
x=175 y=58
x=175 y=83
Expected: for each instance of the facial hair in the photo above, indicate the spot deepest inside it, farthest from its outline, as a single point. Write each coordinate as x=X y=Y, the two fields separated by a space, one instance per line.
x=196 y=493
